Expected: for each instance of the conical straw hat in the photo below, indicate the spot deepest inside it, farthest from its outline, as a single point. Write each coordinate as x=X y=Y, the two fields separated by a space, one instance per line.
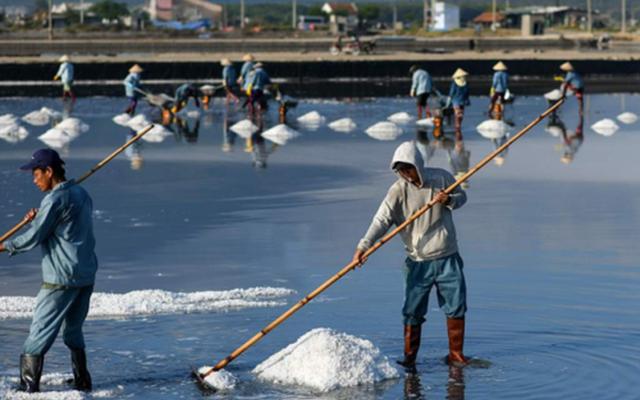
x=64 y=58
x=225 y=62
x=566 y=66
x=460 y=73
x=500 y=66
x=136 y=69
x=247 y=57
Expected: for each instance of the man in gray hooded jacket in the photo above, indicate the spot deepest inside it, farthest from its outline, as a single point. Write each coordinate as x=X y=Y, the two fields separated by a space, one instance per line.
x=431 y=246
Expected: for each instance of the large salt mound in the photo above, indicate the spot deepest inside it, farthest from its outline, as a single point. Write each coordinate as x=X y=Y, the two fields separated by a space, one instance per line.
x=492 y=129
x=553 y=95
x=151 y=302
x=245 y=128
x=400 y=118
x=72 y=126
x=345 y=125
x=384 y=130
x=627 y=118
x=220 y=380
x=605 y=127
x=324 y=360
x=280 y=134
x=311 y=118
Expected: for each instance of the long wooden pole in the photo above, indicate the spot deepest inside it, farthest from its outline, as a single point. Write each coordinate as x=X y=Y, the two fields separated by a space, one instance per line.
x=353 y=264
x=99 y=165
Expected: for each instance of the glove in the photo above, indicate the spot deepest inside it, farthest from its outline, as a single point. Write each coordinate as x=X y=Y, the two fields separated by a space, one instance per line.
x=492 y=92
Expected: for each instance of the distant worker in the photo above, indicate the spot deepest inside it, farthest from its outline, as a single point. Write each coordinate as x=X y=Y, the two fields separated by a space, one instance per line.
x=63 y=228
x=183 y=93
x=133 y=88
x=499 y=86
x=259 y=82
x=229 y=80
x=65 y=74
x=245 y=72
x=421 y=87
x=459 y=98
x=572 y=81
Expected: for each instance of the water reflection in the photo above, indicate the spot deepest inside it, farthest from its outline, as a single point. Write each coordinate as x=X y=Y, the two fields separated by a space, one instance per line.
x=458 y=156
x=134 y=152
x=571 y=140
x=414 y=390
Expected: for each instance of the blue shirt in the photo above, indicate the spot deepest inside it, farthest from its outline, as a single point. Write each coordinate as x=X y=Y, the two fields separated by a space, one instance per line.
x=500 y=81
x=186 y=90
x=132 y=82
x=63 y=228
x=574 y=79
x=260 y=79
x=65 y=72
x=421 y=82
x=459 y=95
x=229 y=76
x=245 y=73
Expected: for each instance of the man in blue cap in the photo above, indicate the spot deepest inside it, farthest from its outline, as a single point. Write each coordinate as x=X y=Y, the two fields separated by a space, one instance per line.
x=63 y=227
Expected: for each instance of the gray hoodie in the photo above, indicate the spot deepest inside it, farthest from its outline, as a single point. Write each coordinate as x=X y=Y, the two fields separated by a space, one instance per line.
x=431 y=236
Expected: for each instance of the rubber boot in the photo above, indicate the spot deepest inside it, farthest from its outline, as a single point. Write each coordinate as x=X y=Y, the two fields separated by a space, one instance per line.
x=81 y=376
x=412 y=334
x=455 y=329
x=30 y=373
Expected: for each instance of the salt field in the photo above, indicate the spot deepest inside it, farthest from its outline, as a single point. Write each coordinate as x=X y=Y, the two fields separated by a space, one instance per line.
x=208 y=230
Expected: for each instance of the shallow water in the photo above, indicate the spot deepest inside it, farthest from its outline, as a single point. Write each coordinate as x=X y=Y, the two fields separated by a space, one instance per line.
x=550 y=251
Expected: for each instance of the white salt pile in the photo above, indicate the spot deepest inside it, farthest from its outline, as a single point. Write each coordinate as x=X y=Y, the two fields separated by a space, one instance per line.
x=139 y=122
x=37 y=118
x=8 y=119
x=55 y=138
x=493 y=129
x=605 y=127
x=208 y=89
x=157 y=134
x=345 y=125
x=427 y=122
x=13 y=133
x=122 y=119
x=384 y=130
x=311 y=118
x=627 y=118
x=553 y=95
x=72 y=127
x=51 y=113
x=221 y=380
x=400 y=118
x=324 y=360
x=280 y=134
x=245 y=128
x=153 y=301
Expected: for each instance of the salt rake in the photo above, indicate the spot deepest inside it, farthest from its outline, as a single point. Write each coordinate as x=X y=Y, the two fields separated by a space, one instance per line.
x=207 y=388
x=99 y=165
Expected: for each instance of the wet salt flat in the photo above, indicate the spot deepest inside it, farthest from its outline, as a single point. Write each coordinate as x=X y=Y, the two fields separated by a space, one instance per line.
x=548 y=238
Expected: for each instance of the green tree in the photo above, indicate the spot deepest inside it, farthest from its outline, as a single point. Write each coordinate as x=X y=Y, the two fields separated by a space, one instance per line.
x=369 y=12
x=108 y=9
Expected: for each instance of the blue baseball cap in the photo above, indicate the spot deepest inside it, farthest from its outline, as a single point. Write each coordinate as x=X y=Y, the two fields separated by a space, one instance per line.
x=43 y=158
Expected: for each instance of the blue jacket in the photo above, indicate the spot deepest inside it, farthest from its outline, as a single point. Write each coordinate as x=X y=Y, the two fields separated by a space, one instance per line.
x=229 y=76
x=63 y=228
x=459 y=95
x=186 y=90
x=500 y=81
x=421 y=82
x=132 y=82
x=260 y=79
x=65 y=72
x=245 y=73
x=574 y=79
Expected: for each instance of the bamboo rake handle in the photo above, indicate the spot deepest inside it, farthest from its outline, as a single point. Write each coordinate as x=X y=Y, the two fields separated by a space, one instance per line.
x=224 y=362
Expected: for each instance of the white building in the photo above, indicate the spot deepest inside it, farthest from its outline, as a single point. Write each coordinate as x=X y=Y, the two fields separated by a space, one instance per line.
x=446 y=17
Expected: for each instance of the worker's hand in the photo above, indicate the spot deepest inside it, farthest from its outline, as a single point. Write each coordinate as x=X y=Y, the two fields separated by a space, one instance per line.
x=55 y=78
x=359 y=257
x=442 y=197
x=30 y=215
x=412 y=94
x=492 y=92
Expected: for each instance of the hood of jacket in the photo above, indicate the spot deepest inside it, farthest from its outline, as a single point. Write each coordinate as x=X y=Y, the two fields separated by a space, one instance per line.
x=409 y=153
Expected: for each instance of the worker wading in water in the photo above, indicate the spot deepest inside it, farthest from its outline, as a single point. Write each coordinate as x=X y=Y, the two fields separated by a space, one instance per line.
x=459 y=98
x=259 y=82
x=499 y=88
x=132 y=86
x=573 y=82
x=421 y=88
x=229 y=81
x=65 y=74
x=63 y=228
x=431 y=245
x=183 y=93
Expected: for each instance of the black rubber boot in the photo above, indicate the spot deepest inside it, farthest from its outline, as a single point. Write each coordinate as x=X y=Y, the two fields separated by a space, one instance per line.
x=30 y=373
x=81 y=376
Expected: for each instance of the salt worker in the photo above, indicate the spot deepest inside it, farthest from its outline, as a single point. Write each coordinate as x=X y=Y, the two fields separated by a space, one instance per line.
x=431 y=245
x=260 y=80
x=245 y=72
x=63 y=228
x=132 y=87
x=459 y=98
x=183 y=93
x=572 y=81
x=421 y=87
x=229 y=80
x=65 y=74
x=499 y=85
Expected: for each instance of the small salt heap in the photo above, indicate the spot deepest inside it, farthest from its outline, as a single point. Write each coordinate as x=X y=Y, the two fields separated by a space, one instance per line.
x=627 y=118
x=427 y=122
x=400 y=118
x=122 y=119
x=55 y=138
x=8 y=119
x=311 y=118
x=157 y=134
x=553 y=95
x=384 y=130
x=13 y=133
x=72 y=127
x=36 y=118
x=221 y=380
x=605 y=127
x=139 y=122
x=280 y=134
x=345 y=125
x=492 y=129
x=245 y=128
x=325 y=360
